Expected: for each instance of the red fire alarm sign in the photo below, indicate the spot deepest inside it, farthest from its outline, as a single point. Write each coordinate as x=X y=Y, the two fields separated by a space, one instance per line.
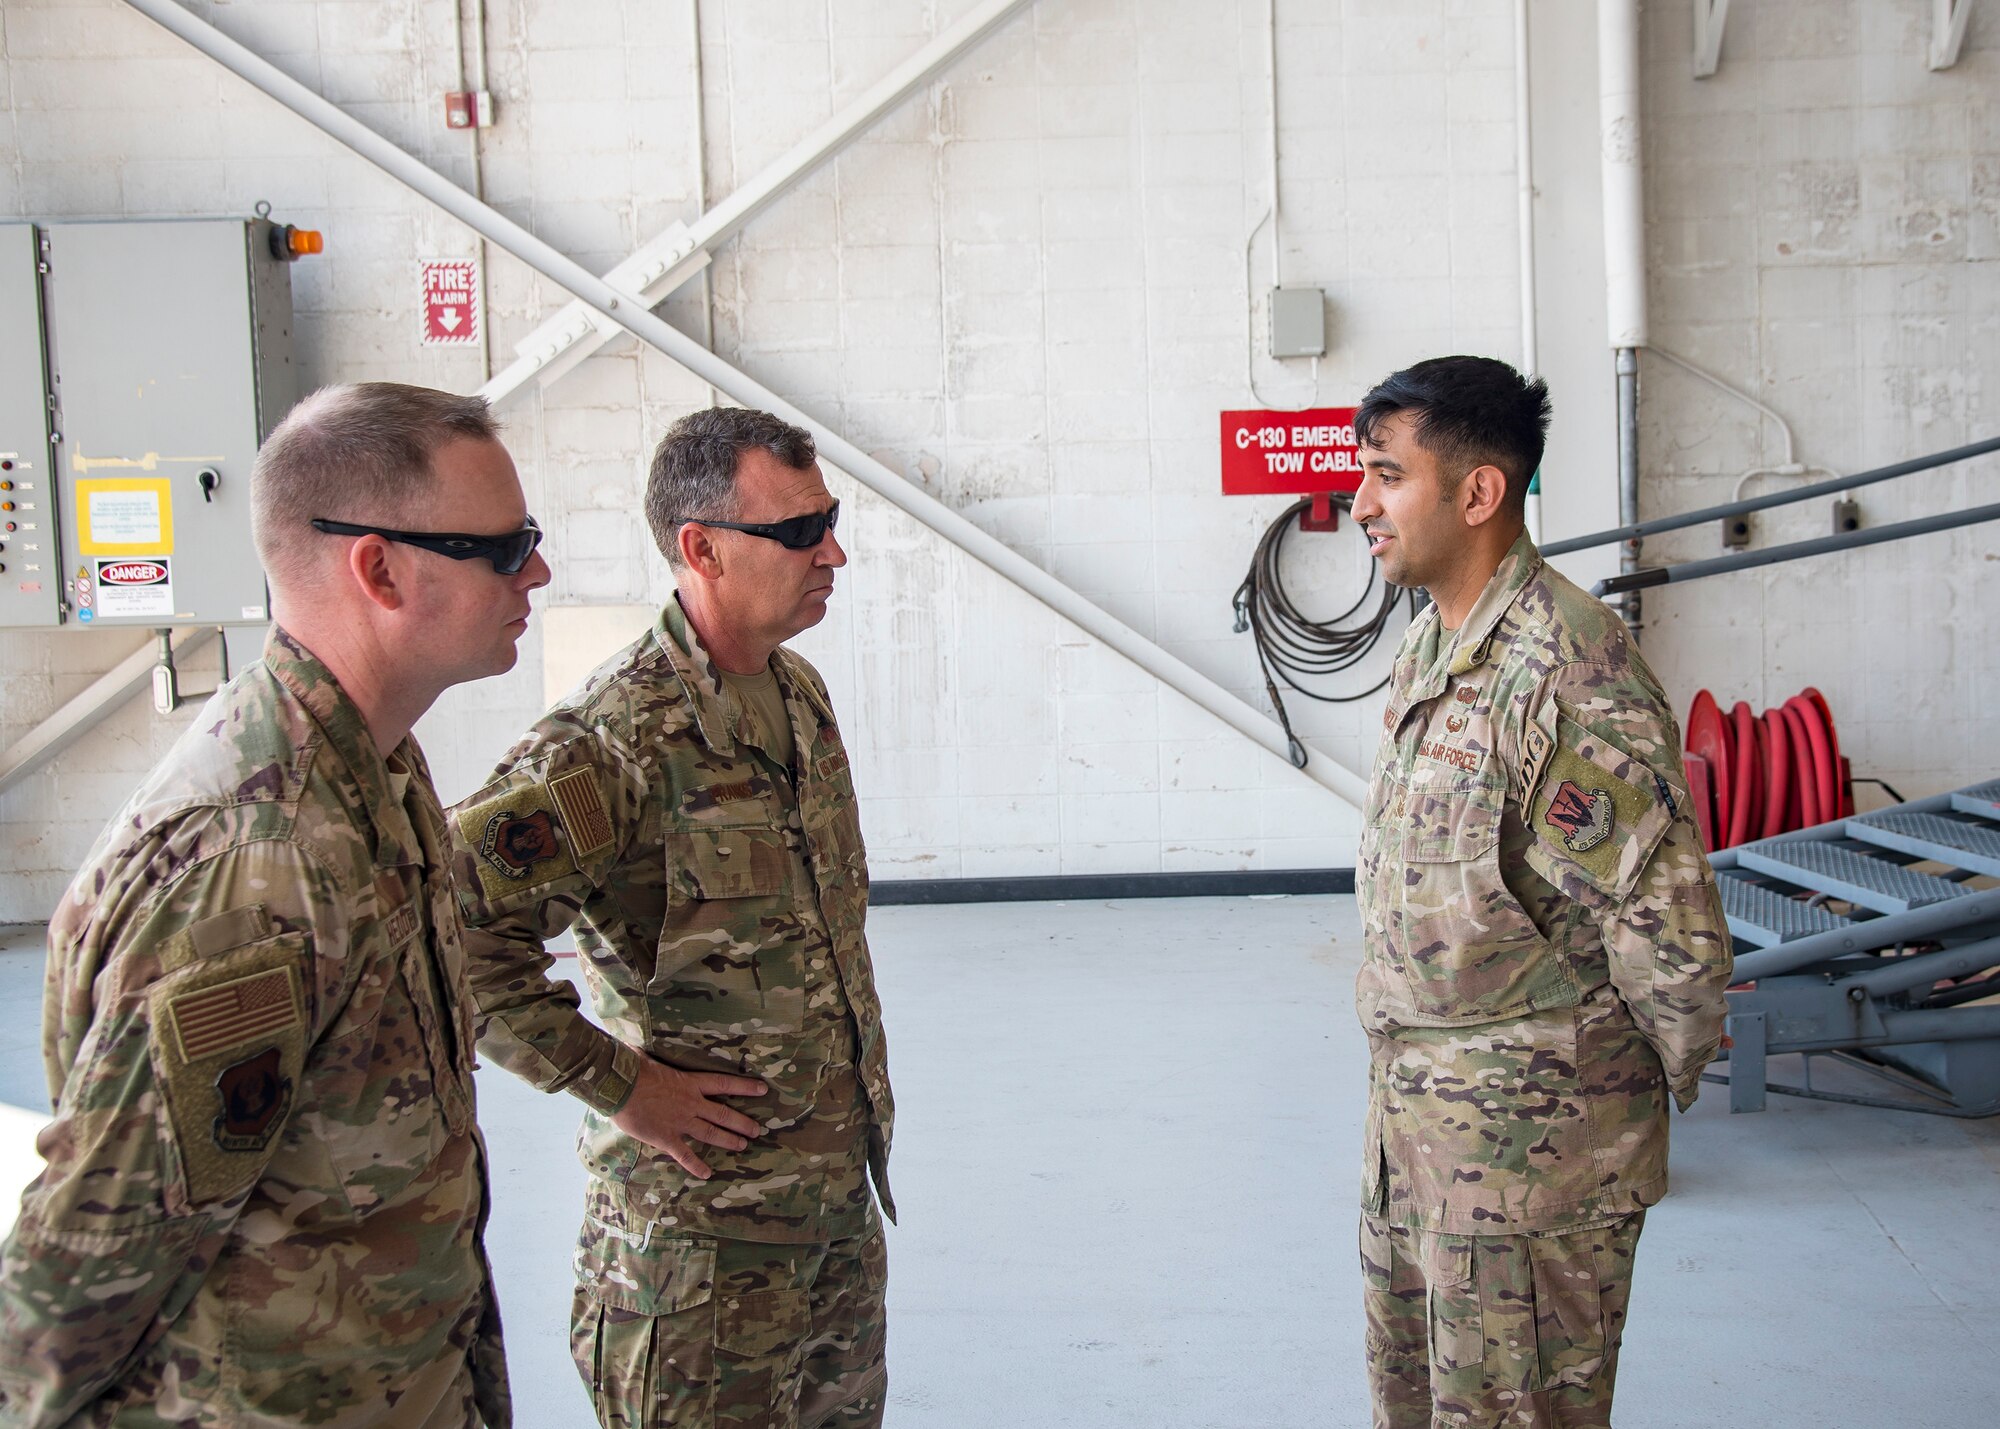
x=450 y=292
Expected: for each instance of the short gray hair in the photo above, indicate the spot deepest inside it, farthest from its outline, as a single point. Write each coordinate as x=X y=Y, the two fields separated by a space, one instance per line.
x=358 y=452
x=694 y=468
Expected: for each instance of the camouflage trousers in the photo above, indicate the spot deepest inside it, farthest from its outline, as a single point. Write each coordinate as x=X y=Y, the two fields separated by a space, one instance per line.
x=693 y=1331
x=1495 y=1332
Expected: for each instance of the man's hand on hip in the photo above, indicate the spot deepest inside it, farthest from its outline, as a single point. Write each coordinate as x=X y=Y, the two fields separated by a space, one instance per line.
x=669 y=1107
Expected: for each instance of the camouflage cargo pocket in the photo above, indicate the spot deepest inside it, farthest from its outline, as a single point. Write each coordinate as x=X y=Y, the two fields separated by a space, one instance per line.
x=736 y=940
x=1451 y=1270
x=641 y=1322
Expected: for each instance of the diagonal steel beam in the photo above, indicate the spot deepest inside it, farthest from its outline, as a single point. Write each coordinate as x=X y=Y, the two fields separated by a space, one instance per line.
x=674 y=257
x=630 y=312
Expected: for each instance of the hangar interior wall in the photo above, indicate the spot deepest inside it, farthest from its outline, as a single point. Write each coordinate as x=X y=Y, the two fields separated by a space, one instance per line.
x=1026 y=290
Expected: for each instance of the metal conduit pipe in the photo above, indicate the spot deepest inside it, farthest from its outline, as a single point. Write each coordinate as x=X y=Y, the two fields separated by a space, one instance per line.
x=1624 y=246
x=632 y=315
x=1776 y=498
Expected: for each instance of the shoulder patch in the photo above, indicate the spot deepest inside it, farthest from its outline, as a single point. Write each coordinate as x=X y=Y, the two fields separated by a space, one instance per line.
x=584 y=815
x=520 y=835
x=230 y=1014
x=229 y=1039
x=1585 y=816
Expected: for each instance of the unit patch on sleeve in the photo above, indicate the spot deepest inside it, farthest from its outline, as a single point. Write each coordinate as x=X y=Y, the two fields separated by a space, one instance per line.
x=1581 y=817
x=514 y=843
x=1585 y=817
x=255 y=1095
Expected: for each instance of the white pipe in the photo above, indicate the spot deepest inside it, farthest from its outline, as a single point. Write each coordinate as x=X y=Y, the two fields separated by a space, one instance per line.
x=1272 y=36
x=1624 y=190
x=1524 y=167
x=631 y=314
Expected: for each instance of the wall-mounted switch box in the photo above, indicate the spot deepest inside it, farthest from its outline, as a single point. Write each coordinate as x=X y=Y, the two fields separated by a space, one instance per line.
x=1298 y=322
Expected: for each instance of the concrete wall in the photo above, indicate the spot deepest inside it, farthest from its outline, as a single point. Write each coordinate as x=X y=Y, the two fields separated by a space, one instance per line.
x=1824 y=225
x=1026 y=290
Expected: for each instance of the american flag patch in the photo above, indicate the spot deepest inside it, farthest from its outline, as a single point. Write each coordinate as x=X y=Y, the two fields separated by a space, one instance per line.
x=583 y=815
x=231 y=1013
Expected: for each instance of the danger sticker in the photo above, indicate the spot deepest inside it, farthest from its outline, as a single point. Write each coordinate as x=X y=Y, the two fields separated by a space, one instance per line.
x=134 y=587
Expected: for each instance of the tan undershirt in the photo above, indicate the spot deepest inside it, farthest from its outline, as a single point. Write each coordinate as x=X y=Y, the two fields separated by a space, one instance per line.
x=766 y=703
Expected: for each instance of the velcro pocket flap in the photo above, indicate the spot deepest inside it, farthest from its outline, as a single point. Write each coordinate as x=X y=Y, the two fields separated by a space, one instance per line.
x=642 y=1269
x=762 y=1322
x=1595 y=812
x=730 y=863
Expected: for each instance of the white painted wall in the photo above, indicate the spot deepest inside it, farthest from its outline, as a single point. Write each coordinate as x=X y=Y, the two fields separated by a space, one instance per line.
x=1026 y=290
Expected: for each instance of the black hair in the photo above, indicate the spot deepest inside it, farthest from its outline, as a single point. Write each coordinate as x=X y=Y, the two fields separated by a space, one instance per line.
x=1467 y=412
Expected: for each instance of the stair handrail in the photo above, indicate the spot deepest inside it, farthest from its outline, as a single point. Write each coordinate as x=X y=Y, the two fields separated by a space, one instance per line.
x=1775 y=498
x=1773 y=555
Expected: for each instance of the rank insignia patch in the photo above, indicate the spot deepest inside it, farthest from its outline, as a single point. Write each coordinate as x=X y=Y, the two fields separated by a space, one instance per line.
x=1584 y=817
x=515 y=844
x=255 y=1095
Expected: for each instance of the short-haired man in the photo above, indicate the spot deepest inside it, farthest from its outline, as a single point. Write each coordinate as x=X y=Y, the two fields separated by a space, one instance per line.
x=265 y=1190
x=690 y=805
x=1545 y=950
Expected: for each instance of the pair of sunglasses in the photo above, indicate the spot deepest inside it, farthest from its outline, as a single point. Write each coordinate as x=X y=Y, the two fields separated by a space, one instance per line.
x=796 y=533
x=508 y=552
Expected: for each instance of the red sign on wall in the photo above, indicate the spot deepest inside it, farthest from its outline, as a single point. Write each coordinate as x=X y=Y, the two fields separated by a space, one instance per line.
x=450 y=291
x=1289 y=453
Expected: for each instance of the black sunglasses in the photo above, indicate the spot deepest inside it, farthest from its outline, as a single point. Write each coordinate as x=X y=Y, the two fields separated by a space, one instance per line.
x=508 y=552
x=797 y=533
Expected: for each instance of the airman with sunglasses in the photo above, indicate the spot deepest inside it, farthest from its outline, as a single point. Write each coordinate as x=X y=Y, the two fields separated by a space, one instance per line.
x=690 y=810
x=265 y=1188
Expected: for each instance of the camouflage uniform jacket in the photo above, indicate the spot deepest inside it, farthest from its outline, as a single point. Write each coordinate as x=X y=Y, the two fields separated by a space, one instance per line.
x=721 y=899
x=265 y=1190
x=1546 y=952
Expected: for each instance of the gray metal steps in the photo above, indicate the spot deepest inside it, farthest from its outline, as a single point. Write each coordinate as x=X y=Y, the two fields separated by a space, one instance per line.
x=1981 y=799
x=1765 y=917
x=1959 y=843
x=1848 y=874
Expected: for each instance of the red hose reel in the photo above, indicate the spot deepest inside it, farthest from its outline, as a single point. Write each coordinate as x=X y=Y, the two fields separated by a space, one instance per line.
x=1754 y=775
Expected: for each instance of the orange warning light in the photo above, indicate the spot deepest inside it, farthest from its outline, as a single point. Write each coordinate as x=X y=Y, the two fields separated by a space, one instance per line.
x=291 y=244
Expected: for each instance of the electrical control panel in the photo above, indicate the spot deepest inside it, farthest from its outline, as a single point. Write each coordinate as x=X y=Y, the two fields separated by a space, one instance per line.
x=30 y=560
x=166 y=349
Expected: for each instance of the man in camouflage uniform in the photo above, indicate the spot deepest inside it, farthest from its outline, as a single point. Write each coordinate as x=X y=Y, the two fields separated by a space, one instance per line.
x=265 y=1190
x=1546 y=952
x=689 y=808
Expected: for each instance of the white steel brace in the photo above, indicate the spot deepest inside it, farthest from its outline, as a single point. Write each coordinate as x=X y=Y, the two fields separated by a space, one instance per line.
x=1948 y=19
x=634 y=316
x=1711 y=18
x=104 y=694
x=681 y=252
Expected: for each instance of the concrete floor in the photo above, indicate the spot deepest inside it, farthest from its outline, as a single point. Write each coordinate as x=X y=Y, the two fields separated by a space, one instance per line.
x=1126 y=1164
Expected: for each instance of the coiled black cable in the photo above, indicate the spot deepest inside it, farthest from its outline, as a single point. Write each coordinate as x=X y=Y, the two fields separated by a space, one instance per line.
x=1292 y=647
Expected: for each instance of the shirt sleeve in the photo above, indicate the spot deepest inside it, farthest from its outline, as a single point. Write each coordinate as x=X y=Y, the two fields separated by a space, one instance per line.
x=179 y=1026
x=530 y=848
x=1607 y=803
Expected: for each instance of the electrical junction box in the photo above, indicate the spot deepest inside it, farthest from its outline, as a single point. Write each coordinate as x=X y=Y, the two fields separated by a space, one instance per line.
x=1298 y=322
x=31 y=572
x=167 y=349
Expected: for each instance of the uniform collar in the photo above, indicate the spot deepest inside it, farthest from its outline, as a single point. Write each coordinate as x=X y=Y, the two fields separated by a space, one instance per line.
x=339 y=719
x=718 y=713
x=1472 y=644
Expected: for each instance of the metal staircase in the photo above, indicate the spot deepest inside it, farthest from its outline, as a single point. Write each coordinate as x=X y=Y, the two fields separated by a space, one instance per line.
x=1873 y=941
